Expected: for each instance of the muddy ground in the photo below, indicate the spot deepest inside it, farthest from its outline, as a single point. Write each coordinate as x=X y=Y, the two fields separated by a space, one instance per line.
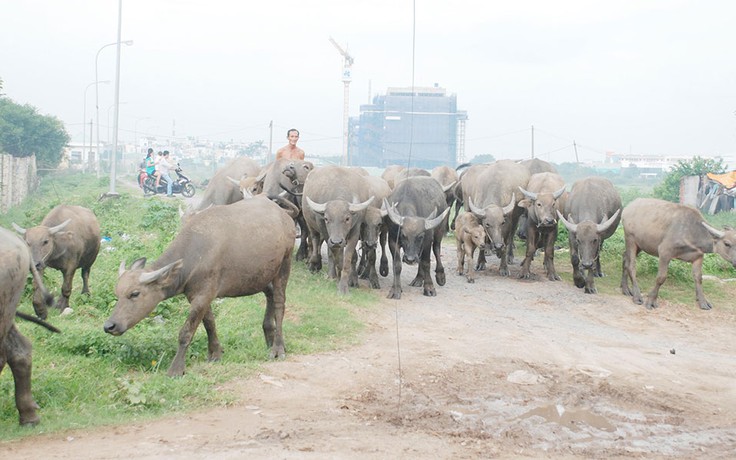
x=500 y=368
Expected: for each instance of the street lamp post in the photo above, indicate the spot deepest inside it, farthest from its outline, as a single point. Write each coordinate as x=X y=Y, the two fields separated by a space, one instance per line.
x=97 y=98
x=135 y=132
x=84 y=122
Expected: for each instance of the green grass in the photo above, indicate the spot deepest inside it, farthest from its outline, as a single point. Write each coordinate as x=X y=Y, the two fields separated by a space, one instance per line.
x=84 y=377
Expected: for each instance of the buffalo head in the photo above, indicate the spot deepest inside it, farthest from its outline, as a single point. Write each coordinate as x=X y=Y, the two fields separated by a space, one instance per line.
x=724 y=242
x=587 y=236
x=138 y=292
x=413 y=230
x=339 y=218
x=541 y=207
x=42 y=240
x=494 y=219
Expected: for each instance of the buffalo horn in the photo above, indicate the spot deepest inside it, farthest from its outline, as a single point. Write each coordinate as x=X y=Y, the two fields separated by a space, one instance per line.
x=713 y=231
x=603 y=226
x=558 y=193
x=60 y=227
x=479 y=212
x=572 y=228
x=393 y=214
x=528 y=194
x=150 y=277
x=19 y=229
x=121 y=269
x=236 y=182
x=319 y=208
x=429 y=224
x=357 y=207
x=510 y=207
x=447 y=187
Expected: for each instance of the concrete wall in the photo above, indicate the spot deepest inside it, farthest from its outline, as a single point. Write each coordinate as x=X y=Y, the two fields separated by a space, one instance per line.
x=18 y=178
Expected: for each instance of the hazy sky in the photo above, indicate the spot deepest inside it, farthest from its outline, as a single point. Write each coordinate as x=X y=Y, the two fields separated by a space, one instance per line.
x=649 y=77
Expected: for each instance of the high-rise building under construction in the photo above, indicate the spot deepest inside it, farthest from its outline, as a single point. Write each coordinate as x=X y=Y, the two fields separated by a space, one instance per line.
x=419 y=127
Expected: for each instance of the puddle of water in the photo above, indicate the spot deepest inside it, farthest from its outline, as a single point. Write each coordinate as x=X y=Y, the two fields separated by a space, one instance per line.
x=570 y=418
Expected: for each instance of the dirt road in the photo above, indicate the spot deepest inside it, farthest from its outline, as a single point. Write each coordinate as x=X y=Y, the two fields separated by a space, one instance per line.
x=500 y=368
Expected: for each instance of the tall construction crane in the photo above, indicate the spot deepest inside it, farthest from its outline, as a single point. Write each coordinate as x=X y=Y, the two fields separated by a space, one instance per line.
x=346 y=79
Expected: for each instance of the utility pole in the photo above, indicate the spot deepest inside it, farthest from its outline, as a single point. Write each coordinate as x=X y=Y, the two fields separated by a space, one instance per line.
x=346 y=79
x=575 y=146
x=270 y=142
x=532 y=142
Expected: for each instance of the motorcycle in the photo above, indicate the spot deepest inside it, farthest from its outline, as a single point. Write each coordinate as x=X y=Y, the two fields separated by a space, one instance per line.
x=181 y=184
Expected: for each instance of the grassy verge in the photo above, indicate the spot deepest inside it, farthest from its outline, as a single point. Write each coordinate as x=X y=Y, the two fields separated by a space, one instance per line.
x=84 y=378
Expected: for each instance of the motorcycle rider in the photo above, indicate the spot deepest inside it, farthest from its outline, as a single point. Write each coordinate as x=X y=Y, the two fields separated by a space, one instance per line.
x=164 y=166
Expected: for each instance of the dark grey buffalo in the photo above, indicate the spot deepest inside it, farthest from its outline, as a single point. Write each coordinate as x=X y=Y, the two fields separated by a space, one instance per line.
x=593 y=211
x=221 y=189
x=491 y=195
x=224 y=251
x=337 y=198
x=670 y=231
x=68 y=238
x=417 y=213
x=534 y=165
x=543 y=197
x=15 y=348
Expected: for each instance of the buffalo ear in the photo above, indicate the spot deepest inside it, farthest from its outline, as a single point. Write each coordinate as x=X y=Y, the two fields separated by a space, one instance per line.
x=139 y=263
x=524 y=204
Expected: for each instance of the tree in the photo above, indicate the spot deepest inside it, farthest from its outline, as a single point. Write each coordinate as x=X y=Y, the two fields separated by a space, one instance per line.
x=25 y=132
x=255 y=149
x=669 y=188
x=484 y=158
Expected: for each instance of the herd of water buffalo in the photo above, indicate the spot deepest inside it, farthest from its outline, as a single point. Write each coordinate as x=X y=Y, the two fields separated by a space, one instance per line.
x=349 y=210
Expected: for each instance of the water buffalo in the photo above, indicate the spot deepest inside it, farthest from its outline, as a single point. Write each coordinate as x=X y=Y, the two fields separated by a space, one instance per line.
x=287 y=175
x=544 y=196
x=593 y=211
x=15 y=348
x=68 y=238
x=221 y=189
x=534 y=165
x=445 y=175
x=337 y=198
x=225 y=251
x=491 y=196
x=670 y=231
x=469 y=235
x=373 y=232
x=415 y=227
x=389 y=174
x=467 y=174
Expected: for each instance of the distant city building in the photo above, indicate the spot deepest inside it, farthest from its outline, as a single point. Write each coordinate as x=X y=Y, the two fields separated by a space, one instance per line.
x=647 y=166
x=422 y=127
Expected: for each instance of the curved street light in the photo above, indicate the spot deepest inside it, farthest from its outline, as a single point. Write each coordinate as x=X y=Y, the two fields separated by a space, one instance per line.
x=84 y=123
x=97 y=98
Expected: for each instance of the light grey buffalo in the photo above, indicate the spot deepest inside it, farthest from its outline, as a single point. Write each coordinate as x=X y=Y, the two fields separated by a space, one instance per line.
x=15 y=348
x=670 y=231
x=491 y=196
x=543 y=197
x=225 y=251
x=417 y=212
x=221 y=189
x=68 y=238
x=337 y=198
x=593 y=211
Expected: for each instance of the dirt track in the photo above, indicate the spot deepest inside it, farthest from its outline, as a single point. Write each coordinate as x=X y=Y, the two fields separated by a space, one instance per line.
x=498 y=368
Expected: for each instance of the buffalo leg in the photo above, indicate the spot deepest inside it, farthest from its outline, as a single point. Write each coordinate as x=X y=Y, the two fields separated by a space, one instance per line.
x=85 y=280
x=424 y=270
x=372 y=273
x=275 y=307
x=590 y=282
x=384 y=259
x=577 y=276
x=315 y=262
x=549 y=255
x=439 y=269
x=461 y=255
x=629 y=273
x=664 y=263
x=698 y=277
x=18 y=353
x=481 y=264
x=302 y=252
x=66 y=290
x=214 y=348
x=395 y=291
x=39 y=306
x=197 y=311
x=531 y=247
